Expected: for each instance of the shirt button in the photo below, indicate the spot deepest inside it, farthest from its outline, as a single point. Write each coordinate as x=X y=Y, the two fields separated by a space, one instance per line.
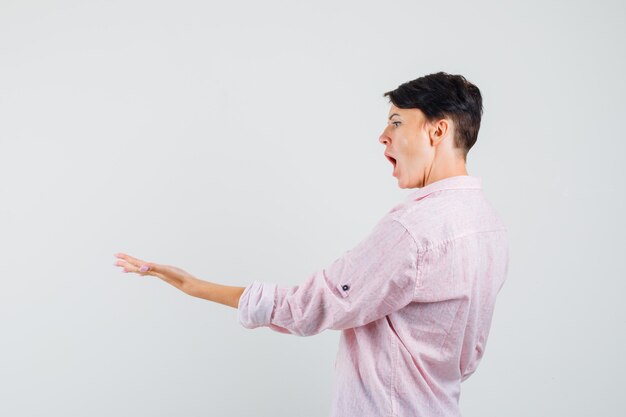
x=345 y=287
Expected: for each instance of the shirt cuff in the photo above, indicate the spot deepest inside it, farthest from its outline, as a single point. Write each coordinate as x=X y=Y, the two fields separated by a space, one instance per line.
x=256 y=304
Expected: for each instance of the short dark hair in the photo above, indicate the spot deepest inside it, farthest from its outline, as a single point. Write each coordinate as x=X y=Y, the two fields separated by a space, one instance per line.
x=443 y=95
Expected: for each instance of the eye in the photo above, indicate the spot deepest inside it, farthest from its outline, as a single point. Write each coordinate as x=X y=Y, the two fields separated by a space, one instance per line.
x=394 y=123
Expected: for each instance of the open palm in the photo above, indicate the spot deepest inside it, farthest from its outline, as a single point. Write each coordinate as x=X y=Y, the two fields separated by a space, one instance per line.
x=175 y=276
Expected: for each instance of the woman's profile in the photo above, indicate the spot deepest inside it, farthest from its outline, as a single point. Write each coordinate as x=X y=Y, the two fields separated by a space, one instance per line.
x=414 y=299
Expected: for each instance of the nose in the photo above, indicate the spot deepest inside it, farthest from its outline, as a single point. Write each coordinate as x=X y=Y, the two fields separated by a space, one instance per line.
x=383 y=139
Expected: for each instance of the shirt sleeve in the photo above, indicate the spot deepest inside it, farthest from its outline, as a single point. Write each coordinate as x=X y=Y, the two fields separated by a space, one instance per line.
x=375 y=278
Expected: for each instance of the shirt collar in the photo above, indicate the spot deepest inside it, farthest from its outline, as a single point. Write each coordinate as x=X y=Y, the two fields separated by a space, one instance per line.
x=457 y=182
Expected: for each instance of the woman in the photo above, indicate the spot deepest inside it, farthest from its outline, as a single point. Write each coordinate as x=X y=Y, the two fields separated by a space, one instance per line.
x=414 y=299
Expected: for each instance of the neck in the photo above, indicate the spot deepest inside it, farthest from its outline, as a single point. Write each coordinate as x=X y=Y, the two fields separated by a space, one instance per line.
x=438 y=172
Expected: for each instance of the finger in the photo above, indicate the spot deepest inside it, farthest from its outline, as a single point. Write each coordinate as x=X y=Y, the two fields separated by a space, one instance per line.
x=143 y=269
x=131 y=260
x=153 y=270
x=163 y=272
x=131 y=264
x=143 y=266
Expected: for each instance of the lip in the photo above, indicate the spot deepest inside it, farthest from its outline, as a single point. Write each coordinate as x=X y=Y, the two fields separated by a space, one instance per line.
x=393 y=161
x=391 y=158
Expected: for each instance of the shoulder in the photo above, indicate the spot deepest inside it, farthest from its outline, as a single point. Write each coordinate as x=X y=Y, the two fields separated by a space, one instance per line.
x=446 y=215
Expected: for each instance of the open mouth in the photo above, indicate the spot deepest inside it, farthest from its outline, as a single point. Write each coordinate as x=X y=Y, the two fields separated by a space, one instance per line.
x=392 y=160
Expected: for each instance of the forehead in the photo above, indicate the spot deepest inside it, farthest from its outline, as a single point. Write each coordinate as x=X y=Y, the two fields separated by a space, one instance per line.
x=403 y=113
x=394 y=111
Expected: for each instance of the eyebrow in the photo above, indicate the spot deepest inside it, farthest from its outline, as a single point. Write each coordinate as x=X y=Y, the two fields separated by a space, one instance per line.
x=395 y=114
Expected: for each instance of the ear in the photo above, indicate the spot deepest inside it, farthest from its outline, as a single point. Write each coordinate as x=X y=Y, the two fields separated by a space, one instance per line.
x=439 y=131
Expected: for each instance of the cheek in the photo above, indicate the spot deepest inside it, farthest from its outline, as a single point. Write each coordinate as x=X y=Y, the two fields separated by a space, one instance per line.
x=419 y=148
x=410 y=150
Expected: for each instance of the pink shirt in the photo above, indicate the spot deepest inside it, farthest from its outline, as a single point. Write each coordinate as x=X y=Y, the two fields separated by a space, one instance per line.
x=413 y=300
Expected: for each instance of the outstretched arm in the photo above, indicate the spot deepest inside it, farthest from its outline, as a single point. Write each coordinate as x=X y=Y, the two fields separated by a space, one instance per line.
x=181 y=279
x=373 y=279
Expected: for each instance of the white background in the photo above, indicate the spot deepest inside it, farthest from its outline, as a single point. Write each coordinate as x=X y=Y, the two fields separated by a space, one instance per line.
x=239 y=141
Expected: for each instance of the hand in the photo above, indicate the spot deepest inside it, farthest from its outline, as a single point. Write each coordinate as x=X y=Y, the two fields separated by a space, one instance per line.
x=177 y=277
